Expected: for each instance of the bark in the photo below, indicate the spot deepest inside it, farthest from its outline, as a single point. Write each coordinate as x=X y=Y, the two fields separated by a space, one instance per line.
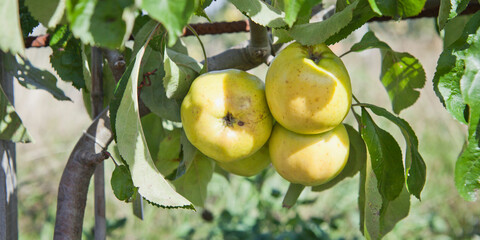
x=72 y=192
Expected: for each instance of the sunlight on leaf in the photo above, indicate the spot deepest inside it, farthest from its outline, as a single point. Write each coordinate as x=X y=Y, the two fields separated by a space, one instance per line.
x=467 y=169
x=397 y=8
x=11 y=126
x=307 y=34
x=11 y=39
x=261 y=12
x=133 y=148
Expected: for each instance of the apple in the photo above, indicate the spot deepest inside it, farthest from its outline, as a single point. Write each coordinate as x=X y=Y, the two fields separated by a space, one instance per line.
x=225 y=115
x=309 y=159
x=248 y=166
x=308 y=89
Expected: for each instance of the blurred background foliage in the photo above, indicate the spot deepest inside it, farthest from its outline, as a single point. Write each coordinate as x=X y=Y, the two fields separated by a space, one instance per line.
x=250 y=208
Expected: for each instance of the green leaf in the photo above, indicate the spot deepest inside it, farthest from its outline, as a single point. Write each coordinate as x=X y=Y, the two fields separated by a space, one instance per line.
x=200 y=11
x=133 y=147
x=369 y=41
x=47 y=12
x=180 y=71
x=122 y=184
x=11 y=39
x=386 y=158
x=450 y=69
x=292 y=8
x=449 y=9
x=142 y=35
x=291 y=197
x=361 y=14
x=402 y=76
x=467 y=171
x=446 y=83
x=168 y=157
x=33 y=78
x=307 y=34
x=105 y=23
x=173 y=15
x=341 y=4
x=193 y=184
x=397 y=8
x=467 y=168
x=67 y=62
x=108 y=89
x=11 y=127
x=415 y=169
x=261 y=12
x=155 y=96
x=378 y=216
x=356 y=160
x=154 y=135
x=188 y=154
x=453 y=30
x=27 y=22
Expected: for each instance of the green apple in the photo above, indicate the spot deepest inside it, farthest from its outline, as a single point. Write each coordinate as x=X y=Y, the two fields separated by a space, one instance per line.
x=309 y=159
x=248 y=166
x=308 y=89
x=225 y=115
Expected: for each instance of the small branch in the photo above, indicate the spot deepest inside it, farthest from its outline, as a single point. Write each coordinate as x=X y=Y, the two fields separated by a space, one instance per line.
x=116 y=62
x=73 y=187
x=217 y=28
x=244 y=57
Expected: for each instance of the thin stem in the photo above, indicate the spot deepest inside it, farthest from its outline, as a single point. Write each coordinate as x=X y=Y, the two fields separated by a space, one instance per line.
x=113 y=159
x=349 y=51
x=201 y=44
x=357 y=118
x=355 y=98
x=361 y=105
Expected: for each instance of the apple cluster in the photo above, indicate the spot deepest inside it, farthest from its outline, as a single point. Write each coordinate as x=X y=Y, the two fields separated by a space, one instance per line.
x=294 y=120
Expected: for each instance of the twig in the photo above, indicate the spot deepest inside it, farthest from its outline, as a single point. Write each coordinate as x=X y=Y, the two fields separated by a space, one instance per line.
x=116 y=62
x=246 y=56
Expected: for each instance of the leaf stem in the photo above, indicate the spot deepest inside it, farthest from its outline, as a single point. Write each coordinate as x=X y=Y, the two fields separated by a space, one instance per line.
x=360 y=105
x=357 y=117
x=203 y=47
x=356 y=99
x=349 y=51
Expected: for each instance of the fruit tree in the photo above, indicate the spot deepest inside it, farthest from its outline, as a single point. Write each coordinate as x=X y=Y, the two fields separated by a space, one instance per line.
x=129 y=61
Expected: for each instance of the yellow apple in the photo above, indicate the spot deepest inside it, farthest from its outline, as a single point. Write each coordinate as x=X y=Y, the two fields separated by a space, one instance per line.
x=248 y=166
x=308 y=89
x=225 y=115
x=309 y=159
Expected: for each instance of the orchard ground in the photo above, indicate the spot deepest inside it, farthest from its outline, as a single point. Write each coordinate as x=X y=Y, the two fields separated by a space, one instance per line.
x=442 y=214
